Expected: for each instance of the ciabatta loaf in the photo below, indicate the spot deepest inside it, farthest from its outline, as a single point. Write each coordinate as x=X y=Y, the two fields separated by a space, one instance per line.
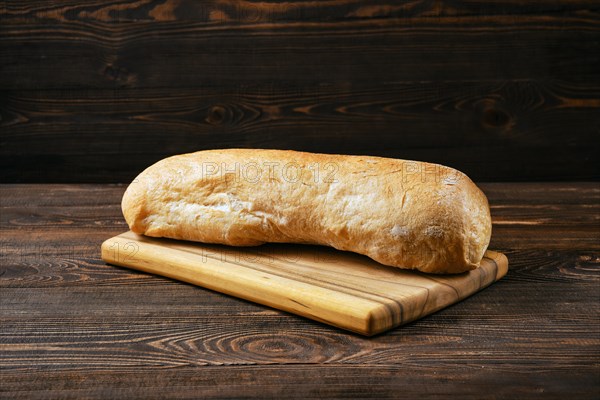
x=404 y=214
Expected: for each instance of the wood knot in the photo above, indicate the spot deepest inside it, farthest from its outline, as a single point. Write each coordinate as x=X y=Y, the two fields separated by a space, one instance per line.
x=8 y=118
x=495 y=118
x=276 y=348
x=118 y=74
x=216 y=115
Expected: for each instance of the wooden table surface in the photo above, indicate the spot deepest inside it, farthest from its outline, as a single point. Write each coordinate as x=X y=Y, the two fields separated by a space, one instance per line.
x=72 y=326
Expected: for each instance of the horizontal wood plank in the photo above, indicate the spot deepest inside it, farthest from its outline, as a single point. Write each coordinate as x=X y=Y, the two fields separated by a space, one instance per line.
x=37 y=56
x=468 y=381
x=111 y=135
x=210 y=11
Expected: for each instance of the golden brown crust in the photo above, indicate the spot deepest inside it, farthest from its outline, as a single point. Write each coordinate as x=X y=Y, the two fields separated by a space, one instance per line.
x=405 y=214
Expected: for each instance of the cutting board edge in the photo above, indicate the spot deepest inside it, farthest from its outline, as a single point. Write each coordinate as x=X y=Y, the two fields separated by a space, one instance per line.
x=500 y=260
x=375 y=320
x=366 y=321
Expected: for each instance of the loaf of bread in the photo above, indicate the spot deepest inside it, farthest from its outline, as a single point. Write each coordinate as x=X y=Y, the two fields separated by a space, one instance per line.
x=404 y=214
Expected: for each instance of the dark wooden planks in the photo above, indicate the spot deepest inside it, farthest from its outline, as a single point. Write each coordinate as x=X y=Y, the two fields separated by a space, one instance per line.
x=96 y=92
x=548 y=298
x=111 y=135
x=469 y=381
x=561 y=216
x=228 y=60
x=121 y=324
x=128 y=11
x=75 y=55
x=73 y=326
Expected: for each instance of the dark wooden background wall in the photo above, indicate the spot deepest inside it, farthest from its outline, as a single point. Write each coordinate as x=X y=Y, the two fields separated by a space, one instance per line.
x=94 y=91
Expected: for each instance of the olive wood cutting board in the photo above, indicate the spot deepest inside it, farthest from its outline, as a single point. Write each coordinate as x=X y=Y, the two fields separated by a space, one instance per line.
x=339 y=288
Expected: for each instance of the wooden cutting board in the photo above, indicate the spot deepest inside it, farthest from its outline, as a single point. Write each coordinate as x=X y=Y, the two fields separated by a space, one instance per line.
x=343 y=289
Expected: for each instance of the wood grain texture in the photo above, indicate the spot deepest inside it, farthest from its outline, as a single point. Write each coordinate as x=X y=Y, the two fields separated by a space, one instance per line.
x=62 y=135
x=72 y=326
x=191 y=44
x=469 y=381
x=132 y=81
x=343 y=289
x=49 y=57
